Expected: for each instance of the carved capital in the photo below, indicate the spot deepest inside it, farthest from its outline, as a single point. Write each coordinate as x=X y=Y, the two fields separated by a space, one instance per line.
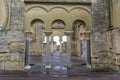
x=48 y=32
x=85 y=35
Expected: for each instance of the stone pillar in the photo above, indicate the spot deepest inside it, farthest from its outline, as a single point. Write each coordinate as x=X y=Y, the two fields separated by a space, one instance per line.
x=68 y=34
x=78 y=48
x=48 y=51
x=27 y=50
x=99 y=27
x=60 y=46
x=88 y=49
x=82 y=44
x=52 y=47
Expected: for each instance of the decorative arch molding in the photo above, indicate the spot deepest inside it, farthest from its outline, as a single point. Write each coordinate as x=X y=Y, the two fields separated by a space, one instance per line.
x=47 y=10
x=58 y=24
x=36 y=6
x=4 y=14
x=79 y=20
x=80 y=7
x=60 y=7
x=39 y=22
x=36 y=20
x=79 y=26
x=36 y=27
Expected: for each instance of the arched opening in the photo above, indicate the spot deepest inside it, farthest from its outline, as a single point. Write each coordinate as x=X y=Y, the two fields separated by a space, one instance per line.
x=58 y=24
x=56 y=45
x=78 y=27
x=37 y=26
x=37 y=48
x=81 y=41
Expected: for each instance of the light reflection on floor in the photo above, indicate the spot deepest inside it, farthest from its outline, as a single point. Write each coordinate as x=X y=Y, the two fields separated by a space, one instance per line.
x=58 y=69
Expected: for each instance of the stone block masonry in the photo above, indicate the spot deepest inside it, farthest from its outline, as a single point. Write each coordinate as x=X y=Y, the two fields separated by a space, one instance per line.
x=12 y=40
x=105 y=44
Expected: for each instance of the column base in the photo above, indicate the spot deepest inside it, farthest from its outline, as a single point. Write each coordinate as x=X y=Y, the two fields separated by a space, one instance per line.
x=27 y=67
x=68 y=66
x=48 y=66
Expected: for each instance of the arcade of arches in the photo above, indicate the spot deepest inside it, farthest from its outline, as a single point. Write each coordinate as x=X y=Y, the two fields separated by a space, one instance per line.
x=87 y=29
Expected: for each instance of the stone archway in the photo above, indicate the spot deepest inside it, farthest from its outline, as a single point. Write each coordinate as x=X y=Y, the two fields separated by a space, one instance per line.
x=81 y=40
x=37 y=26
x=78 y=28
x=58 y=20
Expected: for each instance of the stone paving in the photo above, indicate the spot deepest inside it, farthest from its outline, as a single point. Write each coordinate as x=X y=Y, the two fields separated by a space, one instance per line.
x=79 y=71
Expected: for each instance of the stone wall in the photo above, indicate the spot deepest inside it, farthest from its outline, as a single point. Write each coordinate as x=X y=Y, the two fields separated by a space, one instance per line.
x=98 y=30
x=12 y=40
x=109 y=58
x=105 y=43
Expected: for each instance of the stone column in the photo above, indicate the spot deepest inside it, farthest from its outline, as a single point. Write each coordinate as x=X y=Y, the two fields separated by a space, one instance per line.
x=48 y=51
x=88 y=49
x=68 y=34
x=60 y=46
x=99 y=27
x=82 y=44
x=52 y=46
x=27 y=50
x=78 y=48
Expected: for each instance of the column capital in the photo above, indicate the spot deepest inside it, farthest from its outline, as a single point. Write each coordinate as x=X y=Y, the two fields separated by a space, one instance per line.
x=48 y=32
x=86 y=35
x=28 y=34
x=68 y=33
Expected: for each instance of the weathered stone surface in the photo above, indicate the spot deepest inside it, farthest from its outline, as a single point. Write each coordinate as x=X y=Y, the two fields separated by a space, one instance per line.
x=4 y=56
x=2 y=66
x=106 y=58
x=117 y=56
x=3 y=42
x=9 y=65
x=104 y=67
x=17 y=15
x=76 y=48
x=16 y=47
x=116 y=40
x=36 y=48
x=16 y=57
x=15 y=36
x=16 y=33
x=118 y=62
x=102 y=57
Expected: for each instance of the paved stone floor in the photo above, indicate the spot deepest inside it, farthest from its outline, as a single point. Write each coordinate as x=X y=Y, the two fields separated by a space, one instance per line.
x=79 y=71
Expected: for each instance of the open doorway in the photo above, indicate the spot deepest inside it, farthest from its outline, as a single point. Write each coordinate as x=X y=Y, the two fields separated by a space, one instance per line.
x=81 y=42
x=37 y=45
